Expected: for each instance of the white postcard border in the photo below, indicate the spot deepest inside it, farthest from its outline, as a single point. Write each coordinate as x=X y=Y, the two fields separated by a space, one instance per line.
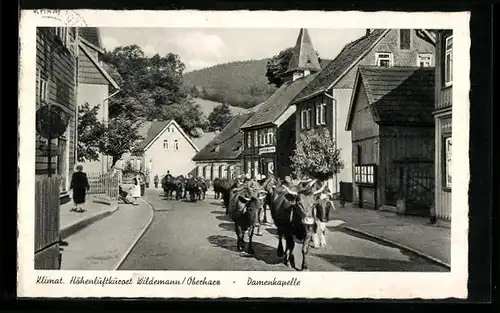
x=397 y=285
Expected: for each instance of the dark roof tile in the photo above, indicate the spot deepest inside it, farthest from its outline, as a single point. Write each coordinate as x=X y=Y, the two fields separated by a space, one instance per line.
x=91 y=34
x=334 y=70
x=399 y=94
x=271 y=109
x=229 y=141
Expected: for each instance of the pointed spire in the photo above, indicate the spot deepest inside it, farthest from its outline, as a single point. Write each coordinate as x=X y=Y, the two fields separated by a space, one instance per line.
x=304 y=55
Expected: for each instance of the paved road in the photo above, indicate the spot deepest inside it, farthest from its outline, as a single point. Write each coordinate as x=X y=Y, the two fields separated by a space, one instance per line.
x=198 y=236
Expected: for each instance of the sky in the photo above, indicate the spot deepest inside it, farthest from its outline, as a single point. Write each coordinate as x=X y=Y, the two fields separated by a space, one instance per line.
x=204 y=47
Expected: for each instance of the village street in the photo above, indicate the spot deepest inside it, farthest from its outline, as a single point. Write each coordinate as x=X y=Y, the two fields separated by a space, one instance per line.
x=198 y=236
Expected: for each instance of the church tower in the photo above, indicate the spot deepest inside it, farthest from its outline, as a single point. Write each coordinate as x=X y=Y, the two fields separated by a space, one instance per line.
x=304 y=60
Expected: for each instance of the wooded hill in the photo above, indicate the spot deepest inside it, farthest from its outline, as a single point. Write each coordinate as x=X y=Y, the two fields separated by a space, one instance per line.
x=243 y=83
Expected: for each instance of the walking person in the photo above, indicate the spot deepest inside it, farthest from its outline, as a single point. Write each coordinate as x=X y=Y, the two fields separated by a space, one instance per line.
x=80 y=186
x=156 y=180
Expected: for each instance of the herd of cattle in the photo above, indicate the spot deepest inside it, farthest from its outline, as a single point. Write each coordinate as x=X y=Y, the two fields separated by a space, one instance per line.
x=299 y=211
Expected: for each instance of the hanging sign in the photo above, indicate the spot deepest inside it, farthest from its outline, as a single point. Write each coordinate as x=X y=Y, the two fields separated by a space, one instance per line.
x=267 y=150
x=51 y=121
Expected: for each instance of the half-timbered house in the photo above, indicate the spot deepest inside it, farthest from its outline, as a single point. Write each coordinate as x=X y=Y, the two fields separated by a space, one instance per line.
x=325 y=101
x=270 y=132
x=390 y=118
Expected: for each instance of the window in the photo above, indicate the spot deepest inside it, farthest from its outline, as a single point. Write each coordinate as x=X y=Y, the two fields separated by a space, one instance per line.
x=256 y=139
x=255 y=168
x=321 y=114
x=448 y=61
x=303 y=117
x=270 y=136
x=42 y=87
x=384 y=59
x=447 y=162
x=67 y=36
x=176 y=144
x=249 y=140
x=249 y=167
x=309 y=118
x=404 y=39
x=165 y=144
x=424 y=60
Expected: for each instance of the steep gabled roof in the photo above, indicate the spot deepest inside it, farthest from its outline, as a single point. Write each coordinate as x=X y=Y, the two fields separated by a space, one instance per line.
x=271 y=109
x=396 y=95
x=349 y=56
x=229 y=142
x=156 y=129
x=91 y=34
x=98 y=66
x=204 y=139
x=304 y=57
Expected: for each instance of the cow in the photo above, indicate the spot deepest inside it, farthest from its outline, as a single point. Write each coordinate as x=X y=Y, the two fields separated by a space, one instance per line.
x=171 y=184
x=203 y=186
x=193 y=187
x=227 y=187
x=244 y=205
x=218 y=187
x=293 y=210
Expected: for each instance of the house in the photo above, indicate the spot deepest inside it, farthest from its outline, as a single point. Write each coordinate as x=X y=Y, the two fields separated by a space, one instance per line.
x=270 y=133
x=442 y=116
x=221 y=157
x=94 y=84
x=166 y=147
x=325 y=101
x=390 y=119
x=56 y=68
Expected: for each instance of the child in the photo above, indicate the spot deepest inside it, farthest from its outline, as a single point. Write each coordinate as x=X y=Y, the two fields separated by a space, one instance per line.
x=123 y=195
x=80 y=186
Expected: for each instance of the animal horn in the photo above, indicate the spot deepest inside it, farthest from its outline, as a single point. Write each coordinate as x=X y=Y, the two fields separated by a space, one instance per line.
x=311 y=183
x=320 y=190
x=289 y=191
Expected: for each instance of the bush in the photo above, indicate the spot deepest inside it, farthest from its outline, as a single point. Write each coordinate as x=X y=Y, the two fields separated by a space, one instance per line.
x=316 y=156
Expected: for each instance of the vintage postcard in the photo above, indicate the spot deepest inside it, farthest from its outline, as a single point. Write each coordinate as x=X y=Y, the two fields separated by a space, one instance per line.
x=203 y=154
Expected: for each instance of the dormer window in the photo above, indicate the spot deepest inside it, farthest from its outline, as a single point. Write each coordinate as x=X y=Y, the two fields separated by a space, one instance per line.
x=384 y=59
x=424 y=60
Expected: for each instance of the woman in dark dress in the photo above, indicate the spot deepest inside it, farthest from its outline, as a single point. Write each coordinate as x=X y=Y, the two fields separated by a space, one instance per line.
x=80 y=186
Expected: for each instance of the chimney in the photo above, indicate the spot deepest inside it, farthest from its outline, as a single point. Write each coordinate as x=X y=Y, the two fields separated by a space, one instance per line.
x=367 y=32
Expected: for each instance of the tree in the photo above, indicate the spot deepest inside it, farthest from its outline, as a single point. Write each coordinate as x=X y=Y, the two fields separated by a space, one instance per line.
x=121 y=136
x=152 y=88
x=220 y=117
x=278 y=65
x=90 y=133
x=316 y=156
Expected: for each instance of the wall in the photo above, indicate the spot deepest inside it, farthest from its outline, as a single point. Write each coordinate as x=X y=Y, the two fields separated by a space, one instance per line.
x=178 y=162
x=212 y=170
x=397 y=143
x=57 y=65
x=285 y=147
x=88 y=73
x=443 y=97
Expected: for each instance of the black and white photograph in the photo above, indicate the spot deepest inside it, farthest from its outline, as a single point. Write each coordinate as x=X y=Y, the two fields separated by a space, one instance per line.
x=168 y=156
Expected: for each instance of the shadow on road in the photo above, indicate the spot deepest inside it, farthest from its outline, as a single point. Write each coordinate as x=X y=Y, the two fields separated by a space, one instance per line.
x=360 y=264
x=217 y=203
x=360 y=236
x=227 y=226
x=218 y=212
x=223 y=218
x=263 y=252
x=272 y=231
